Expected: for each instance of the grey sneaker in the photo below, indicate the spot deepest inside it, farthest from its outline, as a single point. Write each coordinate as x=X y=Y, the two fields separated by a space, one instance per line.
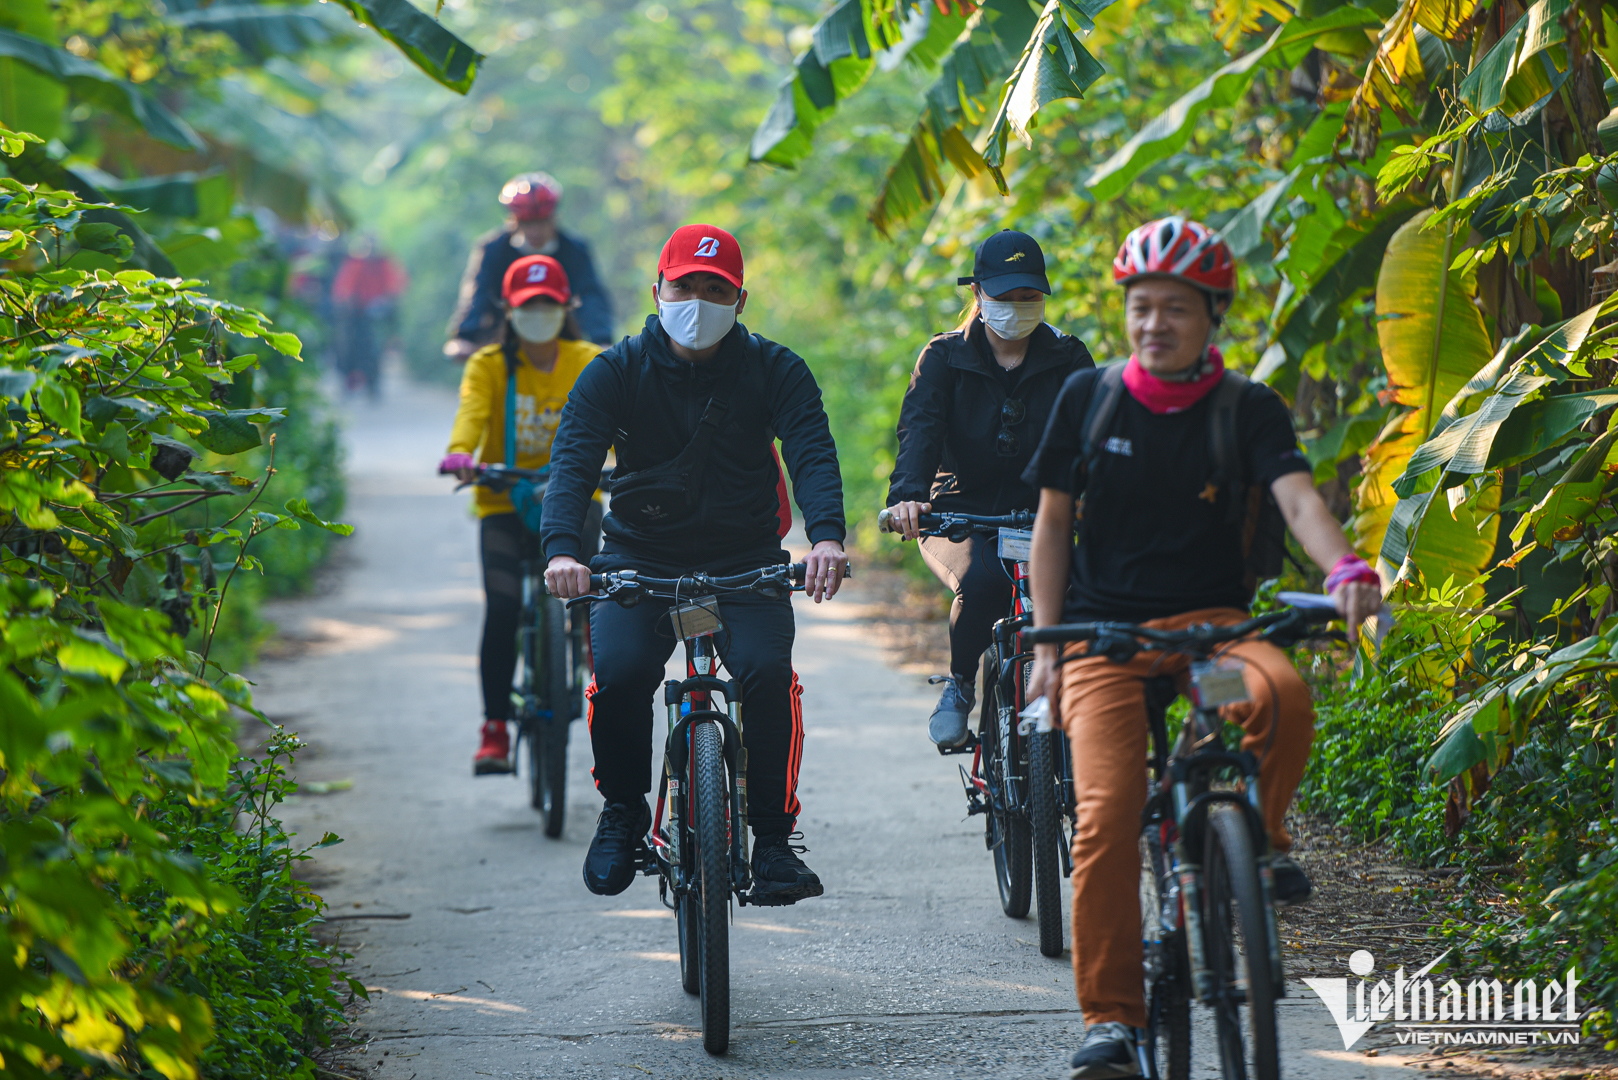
x=947 y=727
x=1107 y=1053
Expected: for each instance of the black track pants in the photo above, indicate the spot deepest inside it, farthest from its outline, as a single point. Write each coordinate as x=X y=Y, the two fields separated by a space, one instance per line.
x=631 y=646
x=502 y=543
x=982 y=584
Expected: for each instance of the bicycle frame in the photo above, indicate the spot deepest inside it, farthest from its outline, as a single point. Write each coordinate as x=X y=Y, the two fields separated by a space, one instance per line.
x=690 y=702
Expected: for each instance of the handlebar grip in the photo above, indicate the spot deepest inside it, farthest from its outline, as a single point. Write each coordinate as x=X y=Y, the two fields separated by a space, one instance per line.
x=884 y=520
x=596 y=581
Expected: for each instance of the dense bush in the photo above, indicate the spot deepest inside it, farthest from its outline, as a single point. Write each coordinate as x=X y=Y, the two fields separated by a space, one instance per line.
x=118 y=914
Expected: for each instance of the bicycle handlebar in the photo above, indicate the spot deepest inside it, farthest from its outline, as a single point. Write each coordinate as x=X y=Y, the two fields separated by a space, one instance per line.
x=959 y=526
x=500 y=477
x=1120 y=640
x=628 y=588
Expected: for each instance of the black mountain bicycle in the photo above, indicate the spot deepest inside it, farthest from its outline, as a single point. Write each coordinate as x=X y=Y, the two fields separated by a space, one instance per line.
x=1207 y=910
x=699 y=853
x=554 y=667
x=1021 y=777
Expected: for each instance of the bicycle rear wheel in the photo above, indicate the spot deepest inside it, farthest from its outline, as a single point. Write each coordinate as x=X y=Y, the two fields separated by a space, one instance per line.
x=1238 y=949
x=1046 y=834
x=549 y=776
x=688 y=914
x=712 y=820
x=1168 y=990
x=1008 y=834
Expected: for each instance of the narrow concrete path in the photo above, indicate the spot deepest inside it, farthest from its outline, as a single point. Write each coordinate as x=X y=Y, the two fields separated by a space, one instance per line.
x=506 y=966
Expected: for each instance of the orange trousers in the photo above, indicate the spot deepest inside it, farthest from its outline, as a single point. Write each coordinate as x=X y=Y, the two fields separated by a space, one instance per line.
x=1104 y=712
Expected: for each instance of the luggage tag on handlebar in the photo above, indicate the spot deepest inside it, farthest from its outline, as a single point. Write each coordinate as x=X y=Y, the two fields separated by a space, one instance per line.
x=1017 y=544
x=696 y=618
x=1215 y=683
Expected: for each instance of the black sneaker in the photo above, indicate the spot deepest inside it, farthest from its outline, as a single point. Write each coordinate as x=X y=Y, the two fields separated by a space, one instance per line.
x=779 y=876
x=609 y=866
x=1288 y=883
x=947 y=727
x=1107 y=1053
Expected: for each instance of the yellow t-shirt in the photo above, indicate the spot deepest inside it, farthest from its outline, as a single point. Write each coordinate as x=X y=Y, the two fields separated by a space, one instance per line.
x=480 y=421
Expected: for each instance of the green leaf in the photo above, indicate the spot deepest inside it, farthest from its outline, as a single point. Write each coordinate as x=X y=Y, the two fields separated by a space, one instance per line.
x=230 y=433
x=1170 y=129
x=93 y=83
x=285 y=344
x=1054 y=66
x=299 y=508
x=1513 y=75
x=836 y=65
x=259 y=30
x=205 y=197
x=14 y=384
x=85 y=657
x=1245 y=232
x=104 y=237
x=444 y=57
x=1460 y=748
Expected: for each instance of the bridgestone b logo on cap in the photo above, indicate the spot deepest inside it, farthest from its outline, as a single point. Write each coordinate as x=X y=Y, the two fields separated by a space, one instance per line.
x=708 y=248
x=537 y=272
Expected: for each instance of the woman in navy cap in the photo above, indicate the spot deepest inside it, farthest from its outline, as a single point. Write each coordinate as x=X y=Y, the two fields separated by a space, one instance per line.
x=976 y=406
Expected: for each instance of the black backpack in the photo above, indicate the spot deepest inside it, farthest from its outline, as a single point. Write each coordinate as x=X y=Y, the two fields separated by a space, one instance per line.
x=1251 y=507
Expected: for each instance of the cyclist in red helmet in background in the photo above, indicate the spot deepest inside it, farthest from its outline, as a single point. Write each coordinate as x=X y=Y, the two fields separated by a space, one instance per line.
x=1161 y=543
x=531 y=228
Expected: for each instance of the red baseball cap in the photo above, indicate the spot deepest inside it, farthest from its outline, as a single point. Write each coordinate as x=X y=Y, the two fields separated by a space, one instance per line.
x=702 y=248
x=535 y=275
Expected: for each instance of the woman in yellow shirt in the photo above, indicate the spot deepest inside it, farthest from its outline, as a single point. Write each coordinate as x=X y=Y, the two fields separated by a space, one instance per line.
x=542 y=349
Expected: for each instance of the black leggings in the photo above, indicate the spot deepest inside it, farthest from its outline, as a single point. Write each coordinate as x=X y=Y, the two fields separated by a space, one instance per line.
x=502 y=543
x=982 y=584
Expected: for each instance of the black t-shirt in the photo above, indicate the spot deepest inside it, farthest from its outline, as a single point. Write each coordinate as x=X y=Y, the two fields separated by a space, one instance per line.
x=1157 y=538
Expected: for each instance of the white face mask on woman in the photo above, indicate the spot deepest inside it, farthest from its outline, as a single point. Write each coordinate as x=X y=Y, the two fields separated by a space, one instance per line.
x=538 y=324
x=1012 y=319
x=696 y=324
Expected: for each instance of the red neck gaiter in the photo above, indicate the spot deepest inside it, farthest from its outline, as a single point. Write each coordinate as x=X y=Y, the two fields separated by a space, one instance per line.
x=1161 y=397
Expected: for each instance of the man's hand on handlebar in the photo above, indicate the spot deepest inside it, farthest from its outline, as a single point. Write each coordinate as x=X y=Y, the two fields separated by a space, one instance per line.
x=907 y=518
x=823 y=570
x=566 y=577
x=1356 y=601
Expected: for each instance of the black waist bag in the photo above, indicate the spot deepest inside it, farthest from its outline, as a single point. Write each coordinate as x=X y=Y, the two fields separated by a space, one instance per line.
x=664 y=497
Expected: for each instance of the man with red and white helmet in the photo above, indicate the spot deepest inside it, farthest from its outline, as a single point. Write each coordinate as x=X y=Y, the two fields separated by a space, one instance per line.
x=530 y=200
x=1164 y=543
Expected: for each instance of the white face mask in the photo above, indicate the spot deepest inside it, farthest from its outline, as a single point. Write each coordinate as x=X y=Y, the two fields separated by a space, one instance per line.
x=538 y=323
x=696 y=324
x=1013 y=319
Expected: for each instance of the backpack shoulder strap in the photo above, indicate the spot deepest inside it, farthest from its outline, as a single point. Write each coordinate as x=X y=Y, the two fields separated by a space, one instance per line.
x=634 y=360
x=1099 y=411
x=1226 y=454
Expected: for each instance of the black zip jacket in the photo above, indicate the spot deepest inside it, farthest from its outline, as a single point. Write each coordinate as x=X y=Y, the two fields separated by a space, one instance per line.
x=774 y=396
x=478 y=314
x=950 y=422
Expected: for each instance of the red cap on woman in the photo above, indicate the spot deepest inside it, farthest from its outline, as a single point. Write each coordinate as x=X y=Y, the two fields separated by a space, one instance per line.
x=535 y=275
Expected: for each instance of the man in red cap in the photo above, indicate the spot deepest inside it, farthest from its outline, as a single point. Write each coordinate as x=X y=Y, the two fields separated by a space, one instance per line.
x=648 y=396
x=530 y=200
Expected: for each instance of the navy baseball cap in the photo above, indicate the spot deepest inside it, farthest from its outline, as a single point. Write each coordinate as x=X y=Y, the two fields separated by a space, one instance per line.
x=1008 y=260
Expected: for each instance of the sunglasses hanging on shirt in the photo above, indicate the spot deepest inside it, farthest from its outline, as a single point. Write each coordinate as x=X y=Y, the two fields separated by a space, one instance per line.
x=1012 y=413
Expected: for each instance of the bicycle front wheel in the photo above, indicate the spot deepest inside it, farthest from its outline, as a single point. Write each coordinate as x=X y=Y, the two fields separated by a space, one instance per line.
x=1046 y=840
x=1238 y=949
x=1168 y=991
x=1008 y=834
x=712 y=820
x=550 y=773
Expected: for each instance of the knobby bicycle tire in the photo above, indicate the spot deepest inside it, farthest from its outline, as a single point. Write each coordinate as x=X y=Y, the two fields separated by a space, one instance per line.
x=1238 y=949
x=1046 y=840
x=553 y=733
x=712 y=819
x=1168 y=991
x=688 y=913
x=1008 y=834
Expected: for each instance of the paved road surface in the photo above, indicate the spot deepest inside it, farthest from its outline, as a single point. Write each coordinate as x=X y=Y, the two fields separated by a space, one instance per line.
x=508 y=967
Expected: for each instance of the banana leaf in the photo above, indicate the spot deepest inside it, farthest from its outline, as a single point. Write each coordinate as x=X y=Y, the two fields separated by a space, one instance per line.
x=1054 y=66
x=836 y=65
x=92 y=83
x=1170 y=129
x=1433 y=341
x=445 y=58
x=29 y=100
x=1517 y=71
x=35 y=166
x=1235 y=18
x=260 y=30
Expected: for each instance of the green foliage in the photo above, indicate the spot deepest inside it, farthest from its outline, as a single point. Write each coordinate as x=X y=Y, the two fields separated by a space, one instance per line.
x=109 y=381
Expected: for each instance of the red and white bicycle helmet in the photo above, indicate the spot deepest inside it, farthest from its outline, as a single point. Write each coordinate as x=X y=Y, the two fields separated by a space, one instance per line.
x=1173 y=247
x=531 y=196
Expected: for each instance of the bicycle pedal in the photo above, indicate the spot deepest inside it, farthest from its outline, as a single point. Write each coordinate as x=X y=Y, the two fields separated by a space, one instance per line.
x=966 y=747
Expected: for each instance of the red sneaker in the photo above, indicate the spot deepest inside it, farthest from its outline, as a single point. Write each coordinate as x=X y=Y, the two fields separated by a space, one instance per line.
x=494 y=756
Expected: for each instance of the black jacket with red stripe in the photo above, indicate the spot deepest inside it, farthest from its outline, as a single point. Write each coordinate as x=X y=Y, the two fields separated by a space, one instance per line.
x=642 y=400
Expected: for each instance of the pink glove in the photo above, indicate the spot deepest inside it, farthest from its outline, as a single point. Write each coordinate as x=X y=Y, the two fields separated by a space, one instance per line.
x=1351 y=568
x=454 y=463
